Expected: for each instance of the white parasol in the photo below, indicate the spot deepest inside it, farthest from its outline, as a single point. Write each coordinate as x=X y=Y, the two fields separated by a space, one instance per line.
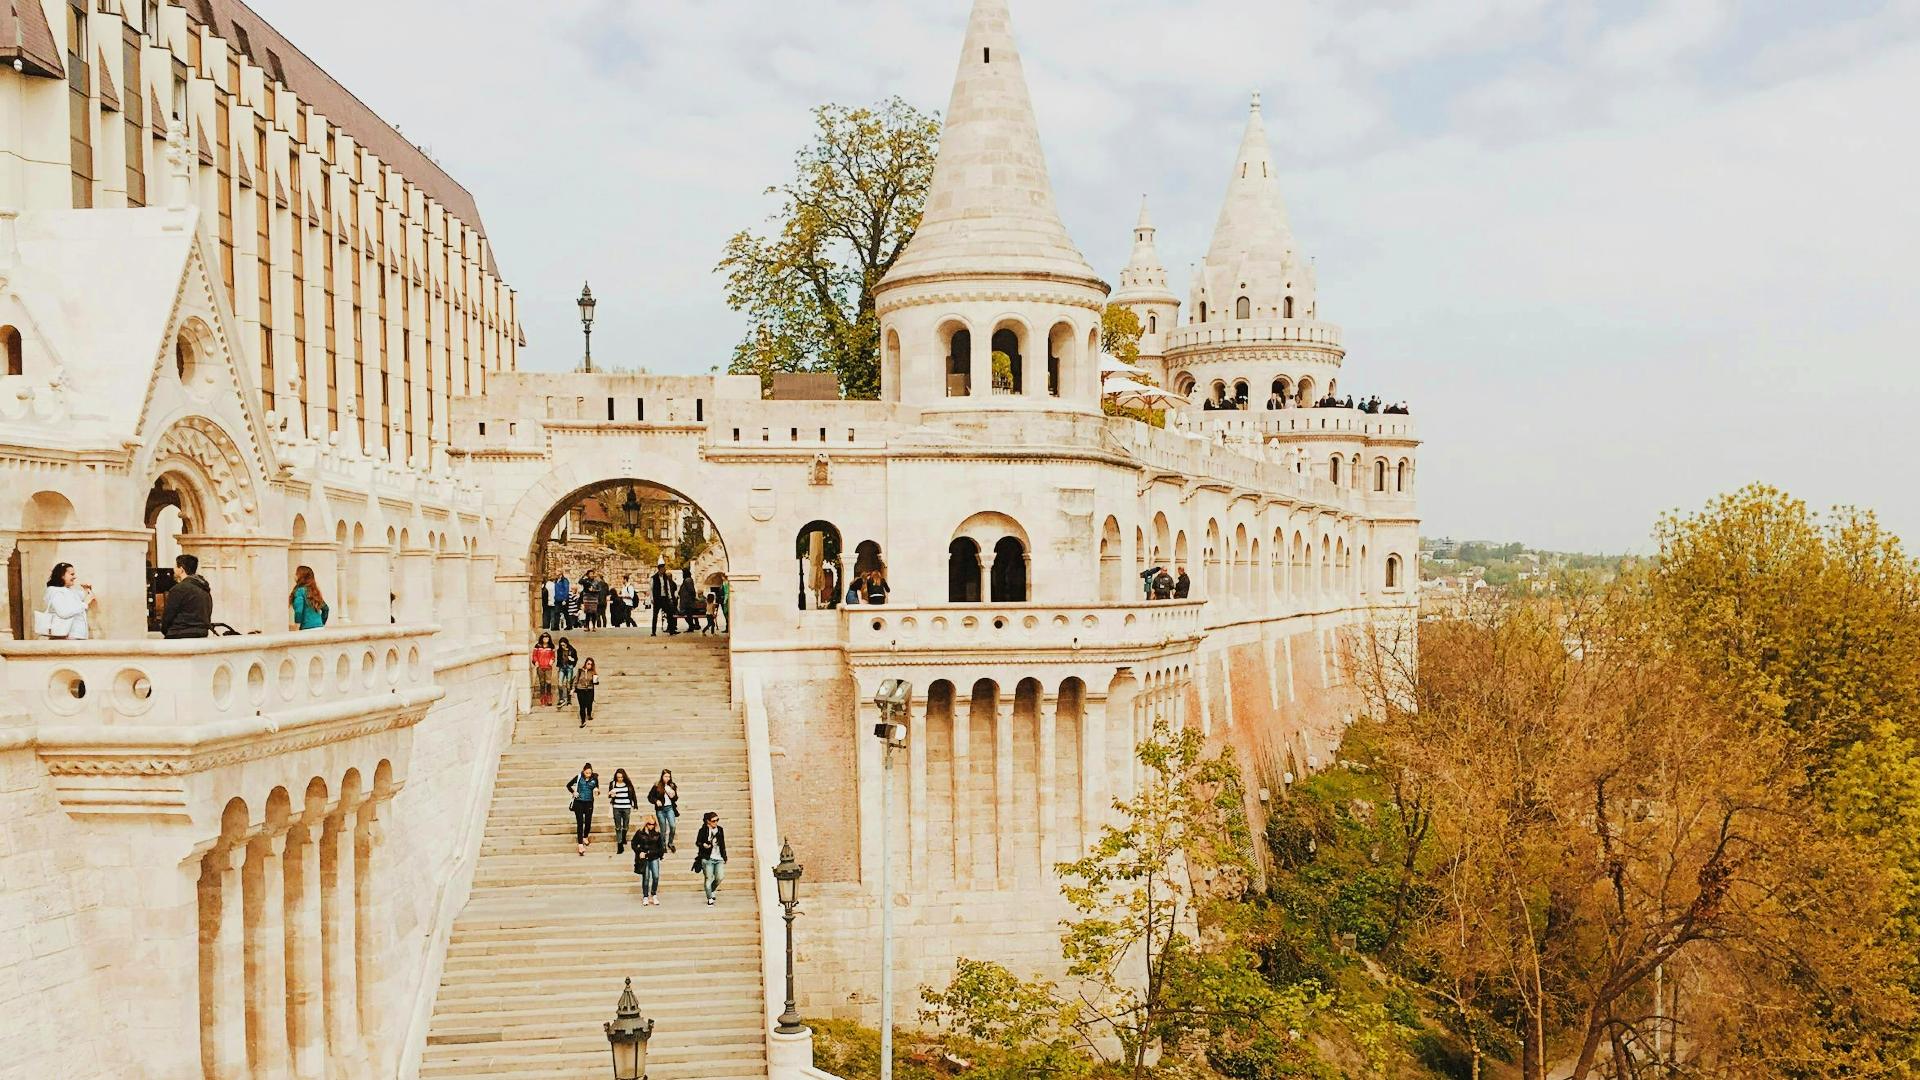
x=1113 y=365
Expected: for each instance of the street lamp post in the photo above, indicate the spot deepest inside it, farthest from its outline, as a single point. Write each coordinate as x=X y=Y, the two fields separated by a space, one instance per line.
x=893 y=699
x=587 y=303
x=631 y=508
x=787 y=876
x=627 y=1034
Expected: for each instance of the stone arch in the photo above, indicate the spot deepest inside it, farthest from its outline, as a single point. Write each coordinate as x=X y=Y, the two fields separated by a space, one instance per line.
x=206 y=463
x=1014 y=338
x=1111 y=568
x=821 y=580
x=1277 y=556
x=1010 y=575
x=1162 y=541
x=193 y=350
x=1303 y=392
x=1393 y=571
x=15 y=353
x=1063 y=367
x=963 y=570
x=890 y=367
x=1401 y=477
x=956 y=345
x=1183 y=384
x=535 y=512
x=1243 y=308
x=1380 y=474
x=1210 y=552
x=1086 y=372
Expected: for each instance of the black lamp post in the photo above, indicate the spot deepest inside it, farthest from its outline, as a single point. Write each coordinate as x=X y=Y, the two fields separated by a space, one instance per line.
x=627 y=1034
x=787 y=876
x=587 y=303
x=631 y=508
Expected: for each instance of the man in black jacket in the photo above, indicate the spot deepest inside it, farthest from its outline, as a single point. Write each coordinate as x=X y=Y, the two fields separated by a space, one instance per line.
x=189 y=611
x=662 y=598
x=1182 y=585
x=712 y=844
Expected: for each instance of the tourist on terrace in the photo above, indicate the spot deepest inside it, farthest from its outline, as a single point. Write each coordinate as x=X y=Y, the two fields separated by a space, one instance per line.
x=546 y=602
x=64 y=613
x=189 y=611
x=665 y=797
x=543 y=667
x=583 y=787
x=854 y=592
x=309 y=607
x=562 y=590
x=649 y=847
x=565 y=659
x=576 y=606
x=584 y=684
x=1275 y=401
x=622 y=797
x=592 y=601
x=627 y=600
x=689 y=596
x=711 y=859
x=1182 y=585
x=876 y=588
x=662 y=585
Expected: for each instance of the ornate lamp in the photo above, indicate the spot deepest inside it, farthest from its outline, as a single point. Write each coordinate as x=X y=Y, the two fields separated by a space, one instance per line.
x=627 y=1034
x=631 y=508
x=787 y=876
x=587 y=303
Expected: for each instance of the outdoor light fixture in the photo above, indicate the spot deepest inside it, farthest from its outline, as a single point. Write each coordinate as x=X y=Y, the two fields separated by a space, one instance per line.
x=627 y=1034
x=587 y=303
x=787 y=876
x=632 y=509
x=893 y=699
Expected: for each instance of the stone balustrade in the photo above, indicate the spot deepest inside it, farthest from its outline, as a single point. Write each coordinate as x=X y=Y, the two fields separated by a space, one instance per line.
x=1023 y=629
x=1268 y=422
x=1253 y=332
x=1249 y=466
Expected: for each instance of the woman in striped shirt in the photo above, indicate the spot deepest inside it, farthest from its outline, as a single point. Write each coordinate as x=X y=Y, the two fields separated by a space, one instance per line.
x=620 y=794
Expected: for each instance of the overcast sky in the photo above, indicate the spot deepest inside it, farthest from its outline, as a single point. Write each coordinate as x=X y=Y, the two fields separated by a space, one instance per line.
x=1620 y=255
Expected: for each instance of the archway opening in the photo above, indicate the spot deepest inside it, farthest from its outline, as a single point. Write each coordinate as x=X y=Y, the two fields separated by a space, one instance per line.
x=963 y=571
x=1008 y=378
x=629 y=554
x=1009 y=571
x=822 y=577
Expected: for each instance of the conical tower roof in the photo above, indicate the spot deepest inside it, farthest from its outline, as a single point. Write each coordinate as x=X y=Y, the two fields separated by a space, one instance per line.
x=990 y=208
x=1145 y=277
x=1253 y=220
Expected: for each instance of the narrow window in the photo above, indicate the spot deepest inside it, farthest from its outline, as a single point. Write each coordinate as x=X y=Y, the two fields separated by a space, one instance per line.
x=1287 y=308
x=700 y=410
x=823 y=434
x=793 y=434
x=16 y=358
x=640 y=409
x=1153 y=324
x=986 y=56
x=1243 y=308
x=483 y=429
x=1203 y=311
x=609 y=408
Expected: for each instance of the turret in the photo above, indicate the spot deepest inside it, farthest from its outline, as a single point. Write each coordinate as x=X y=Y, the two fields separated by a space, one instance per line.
x=1143 y=288
x=991 y=268
x=1253 y=324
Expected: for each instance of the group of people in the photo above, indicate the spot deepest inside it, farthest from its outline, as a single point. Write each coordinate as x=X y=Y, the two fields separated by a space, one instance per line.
x=655 y=838
x=1278 y=400
x=561 y=678
x=185 y=606
x=591 y=603
x=862 y=587
x=1157 y=584
x=682 y=599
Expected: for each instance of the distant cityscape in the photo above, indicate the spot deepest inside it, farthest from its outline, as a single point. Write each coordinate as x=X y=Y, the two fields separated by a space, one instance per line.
x=1459 y=568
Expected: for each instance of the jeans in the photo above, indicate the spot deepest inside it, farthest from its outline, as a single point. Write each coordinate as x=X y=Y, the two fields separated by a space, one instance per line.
x=649 y=877
x=658 y=614
x=566 y=684
x=582 y=821
x=714 y=870
x=620 y=816
x=669 y=818
x=585 y=698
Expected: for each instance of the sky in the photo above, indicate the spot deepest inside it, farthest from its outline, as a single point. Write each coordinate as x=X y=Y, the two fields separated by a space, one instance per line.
x=1618 y=256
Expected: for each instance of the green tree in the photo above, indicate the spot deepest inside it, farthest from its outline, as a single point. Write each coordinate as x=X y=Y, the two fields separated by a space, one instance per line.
x=1120 y=332
x=847 y=214
x=632 y=545
x=693 y=537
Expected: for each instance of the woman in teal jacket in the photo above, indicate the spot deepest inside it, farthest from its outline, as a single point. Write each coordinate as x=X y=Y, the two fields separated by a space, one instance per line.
x=309 y=607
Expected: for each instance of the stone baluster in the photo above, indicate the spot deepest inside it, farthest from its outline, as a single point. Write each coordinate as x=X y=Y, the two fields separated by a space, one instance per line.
x=1004 y=860
x=341 y=941
x=305 y=998
x=1049 y=708
x=269 y=1049
x=962 y=789
x=223 y=1030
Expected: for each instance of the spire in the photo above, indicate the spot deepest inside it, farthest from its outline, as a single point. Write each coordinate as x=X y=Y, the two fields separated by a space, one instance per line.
x=990 y=207
x=1253 y=221
x=1145 y=278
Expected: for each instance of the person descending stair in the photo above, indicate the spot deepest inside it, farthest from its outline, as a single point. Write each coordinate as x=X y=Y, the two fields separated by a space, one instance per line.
x=649 y=847
x=665 y=797
x=583 y=787
x=620 y=795
x=585 y=682
x=711 y=862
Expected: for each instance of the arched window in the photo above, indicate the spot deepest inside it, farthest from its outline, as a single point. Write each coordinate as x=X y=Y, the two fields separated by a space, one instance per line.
x=1184 y=384
x=963 y=571
x=10 y=341
x=1380 y=474
x=1286 y=308
x=890 y=369
x=1333 y=469
x=960 y=363
x=1393 y=571
x=1153 y=323
x=1243 y=308
x=868 y=562
x=1203 y=311
x=816 y=550
x=1400 y=477
x=1007 y=375
x=1219 y=392
x=1009 y=571
x=1240 y=392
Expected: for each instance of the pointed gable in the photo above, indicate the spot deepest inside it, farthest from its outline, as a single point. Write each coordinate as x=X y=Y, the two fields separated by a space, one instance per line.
x=990 y=208
x=27 y=40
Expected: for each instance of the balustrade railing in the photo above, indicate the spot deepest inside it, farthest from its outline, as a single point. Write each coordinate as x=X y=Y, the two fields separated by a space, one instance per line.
x=1026 y=627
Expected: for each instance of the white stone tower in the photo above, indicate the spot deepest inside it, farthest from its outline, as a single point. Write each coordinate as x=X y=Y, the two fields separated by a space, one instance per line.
x=1253 y=319
x=1143 y=287
x=991 y=268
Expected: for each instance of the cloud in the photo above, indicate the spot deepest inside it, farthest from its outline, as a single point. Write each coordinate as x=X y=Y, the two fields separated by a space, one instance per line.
x=1618 y=258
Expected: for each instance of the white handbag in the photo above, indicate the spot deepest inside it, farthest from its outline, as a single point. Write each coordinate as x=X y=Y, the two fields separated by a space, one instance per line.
x=48 y=625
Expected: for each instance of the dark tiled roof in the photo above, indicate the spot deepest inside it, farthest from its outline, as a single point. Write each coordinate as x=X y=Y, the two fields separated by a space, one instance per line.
x=315 y=87
x=26 y=37
x=108 y=99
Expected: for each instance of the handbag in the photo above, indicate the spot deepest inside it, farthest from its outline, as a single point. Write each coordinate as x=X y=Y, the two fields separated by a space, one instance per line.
x=699 y=864
x=48 y=625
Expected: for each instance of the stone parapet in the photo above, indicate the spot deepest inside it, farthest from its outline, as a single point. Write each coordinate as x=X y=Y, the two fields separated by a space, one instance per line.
x=974 y=632
x=1251 y=333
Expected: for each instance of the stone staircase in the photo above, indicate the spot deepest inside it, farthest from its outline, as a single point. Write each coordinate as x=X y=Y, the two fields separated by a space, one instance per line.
x=539 y=953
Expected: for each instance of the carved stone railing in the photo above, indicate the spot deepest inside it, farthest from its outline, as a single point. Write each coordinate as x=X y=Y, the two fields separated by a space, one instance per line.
x=981 y=630
x=133 y=727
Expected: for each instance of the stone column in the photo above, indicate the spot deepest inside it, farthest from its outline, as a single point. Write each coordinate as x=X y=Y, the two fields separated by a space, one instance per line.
x=1049 y=708
x=980 y=371
x=223 y=1036
x=452 y=607
x=270 y=1051
x=1094 y=791
x=368 y=828
x=483 y=599
x=305 y=997
x=1119 y=727
x=340 y=942
x=918 y=731
x=248 y=575
x=962 y=788
x=415 y=588
x=1004 y=861
x=372 y=584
